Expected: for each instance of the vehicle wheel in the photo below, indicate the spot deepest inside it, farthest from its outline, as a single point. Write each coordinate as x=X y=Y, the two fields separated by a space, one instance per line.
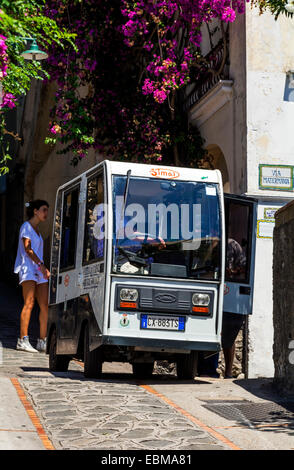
x=57 y=362
x=143 y=370
x=187 y=366
x=92 y=359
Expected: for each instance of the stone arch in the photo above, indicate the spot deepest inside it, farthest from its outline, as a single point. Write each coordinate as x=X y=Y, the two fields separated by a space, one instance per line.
x=215 y=160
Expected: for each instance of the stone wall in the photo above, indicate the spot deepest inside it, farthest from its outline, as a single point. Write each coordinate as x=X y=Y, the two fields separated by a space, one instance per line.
x=283 y=297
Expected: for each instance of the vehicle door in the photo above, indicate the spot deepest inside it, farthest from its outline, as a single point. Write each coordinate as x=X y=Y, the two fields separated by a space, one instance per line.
x=94 y=245
x=240 y=223
x=67 y=298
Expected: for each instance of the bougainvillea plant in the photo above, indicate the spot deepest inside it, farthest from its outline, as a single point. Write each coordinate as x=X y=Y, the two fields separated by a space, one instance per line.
x=121 y=83
x=22 y=19
x=121 y=92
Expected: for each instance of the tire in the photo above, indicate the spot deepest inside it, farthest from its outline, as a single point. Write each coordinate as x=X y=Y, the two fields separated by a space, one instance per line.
x=187 y=366
x=57 y=362
x=143 y=370
x=92 y=359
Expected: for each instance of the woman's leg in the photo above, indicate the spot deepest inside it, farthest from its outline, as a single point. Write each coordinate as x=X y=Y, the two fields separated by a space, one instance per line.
x=28 y=291
x=42 y=298
x=229 y=355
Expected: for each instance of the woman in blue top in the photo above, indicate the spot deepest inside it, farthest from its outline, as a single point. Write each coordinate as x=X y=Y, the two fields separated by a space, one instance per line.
x=33 y=274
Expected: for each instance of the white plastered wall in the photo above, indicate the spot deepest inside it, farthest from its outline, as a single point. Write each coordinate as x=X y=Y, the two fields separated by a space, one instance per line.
x=226 y=127
x=269 y=141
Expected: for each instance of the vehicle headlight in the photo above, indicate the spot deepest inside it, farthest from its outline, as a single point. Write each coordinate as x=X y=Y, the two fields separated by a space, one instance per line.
x=130 y=295
x=201 y=299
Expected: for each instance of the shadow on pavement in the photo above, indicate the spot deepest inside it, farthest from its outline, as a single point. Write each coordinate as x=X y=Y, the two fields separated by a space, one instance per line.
x=158 y=379
x=128 y=378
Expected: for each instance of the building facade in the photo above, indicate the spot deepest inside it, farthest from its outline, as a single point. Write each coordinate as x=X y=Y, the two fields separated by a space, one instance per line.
x=245 y=116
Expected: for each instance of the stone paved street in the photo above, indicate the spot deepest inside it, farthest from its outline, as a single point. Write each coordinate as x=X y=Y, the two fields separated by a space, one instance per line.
x=120 y=413
x=111 y=413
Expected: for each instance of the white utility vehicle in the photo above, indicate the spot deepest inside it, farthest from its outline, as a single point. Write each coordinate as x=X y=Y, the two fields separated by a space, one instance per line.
x=137 y=268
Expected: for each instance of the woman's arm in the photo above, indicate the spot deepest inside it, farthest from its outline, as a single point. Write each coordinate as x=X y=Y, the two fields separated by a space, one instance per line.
x=30 y=252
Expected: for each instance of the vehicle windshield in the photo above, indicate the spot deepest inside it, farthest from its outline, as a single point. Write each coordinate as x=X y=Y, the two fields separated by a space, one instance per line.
x=166 y=228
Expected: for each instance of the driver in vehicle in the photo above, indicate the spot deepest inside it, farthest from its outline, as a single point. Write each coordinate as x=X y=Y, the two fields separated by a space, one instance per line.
x=140 y=245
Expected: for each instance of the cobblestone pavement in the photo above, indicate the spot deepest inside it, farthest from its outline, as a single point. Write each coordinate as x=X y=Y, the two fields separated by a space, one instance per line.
x=116 y=413
x=78 y=413
x=113 y=413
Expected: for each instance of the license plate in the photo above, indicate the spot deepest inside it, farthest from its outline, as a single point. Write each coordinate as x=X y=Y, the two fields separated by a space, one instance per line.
x=162 y=322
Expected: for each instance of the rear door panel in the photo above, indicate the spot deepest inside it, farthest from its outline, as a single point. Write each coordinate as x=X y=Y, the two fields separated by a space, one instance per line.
x=240 y=221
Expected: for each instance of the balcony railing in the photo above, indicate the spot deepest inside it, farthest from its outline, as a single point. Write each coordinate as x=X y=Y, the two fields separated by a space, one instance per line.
x=215 y=68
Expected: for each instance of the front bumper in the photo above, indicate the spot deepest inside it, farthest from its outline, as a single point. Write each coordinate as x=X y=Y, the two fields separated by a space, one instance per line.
x=160 y=343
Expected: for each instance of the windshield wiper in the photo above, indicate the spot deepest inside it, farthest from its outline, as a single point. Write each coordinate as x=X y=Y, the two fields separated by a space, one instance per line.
x=121 y=220
x=126 y=191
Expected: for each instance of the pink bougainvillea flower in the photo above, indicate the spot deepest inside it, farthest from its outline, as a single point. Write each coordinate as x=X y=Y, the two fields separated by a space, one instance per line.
x=56 y=129
x=9 y=101
x=160 y=96
x=148 y=87
x=228 y=15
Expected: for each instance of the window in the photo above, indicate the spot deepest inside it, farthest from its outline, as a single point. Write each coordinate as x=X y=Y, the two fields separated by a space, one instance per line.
x=69 y=229
x=94 y=224
x=166 y=223
x=55 y=249
x=238 y=227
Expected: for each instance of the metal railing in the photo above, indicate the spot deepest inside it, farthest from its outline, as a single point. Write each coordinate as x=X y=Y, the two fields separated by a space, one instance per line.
x=215 y=68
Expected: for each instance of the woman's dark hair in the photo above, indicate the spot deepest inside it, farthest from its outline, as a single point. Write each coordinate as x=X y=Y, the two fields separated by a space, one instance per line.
x=31 y=205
